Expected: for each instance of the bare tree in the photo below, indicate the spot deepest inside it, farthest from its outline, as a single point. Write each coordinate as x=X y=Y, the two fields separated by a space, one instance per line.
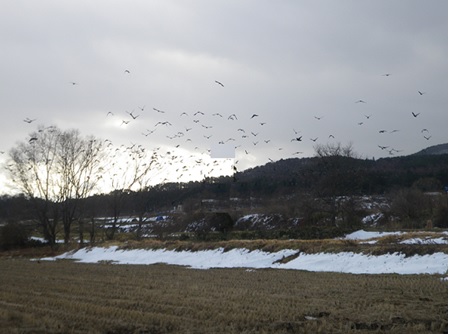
x=56 y=169
x=337 y=176
x=335 y=150
x=79 y=166
x=132 y=167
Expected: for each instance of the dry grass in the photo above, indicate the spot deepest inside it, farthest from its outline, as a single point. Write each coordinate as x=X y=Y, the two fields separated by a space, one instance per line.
x=385 y=245
x=67 y=297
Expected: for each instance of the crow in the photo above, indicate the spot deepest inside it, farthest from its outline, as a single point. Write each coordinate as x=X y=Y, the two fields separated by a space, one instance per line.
x=218 y=82
x=132 y=115
x=415 y=115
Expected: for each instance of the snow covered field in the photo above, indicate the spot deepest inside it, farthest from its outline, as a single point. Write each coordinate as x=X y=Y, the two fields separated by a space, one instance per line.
x=344 y=262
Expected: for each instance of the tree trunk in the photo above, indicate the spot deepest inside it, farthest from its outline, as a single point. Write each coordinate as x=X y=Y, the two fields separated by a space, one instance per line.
x=81 y=232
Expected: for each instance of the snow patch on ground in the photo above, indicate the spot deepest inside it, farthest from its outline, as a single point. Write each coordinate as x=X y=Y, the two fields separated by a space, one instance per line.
x=439 y=238
x=344 y=262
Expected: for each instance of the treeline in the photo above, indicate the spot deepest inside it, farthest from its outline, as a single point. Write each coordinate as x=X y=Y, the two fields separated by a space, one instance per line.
x=351 y=175
x=320 y=177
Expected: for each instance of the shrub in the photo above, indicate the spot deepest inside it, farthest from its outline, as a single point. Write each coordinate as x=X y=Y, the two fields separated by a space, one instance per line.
x=411 y=206
x=13 y=235
x=441 y=216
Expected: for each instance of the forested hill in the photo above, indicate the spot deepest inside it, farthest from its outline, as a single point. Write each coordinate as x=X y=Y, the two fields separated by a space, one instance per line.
x=436 y=149
x=358 y=175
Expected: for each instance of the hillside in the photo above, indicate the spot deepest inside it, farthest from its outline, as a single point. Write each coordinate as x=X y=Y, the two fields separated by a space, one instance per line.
x=433 y=150
x=353 y=175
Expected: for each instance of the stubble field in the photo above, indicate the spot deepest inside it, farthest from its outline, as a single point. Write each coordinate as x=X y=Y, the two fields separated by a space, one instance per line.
x=68 y=297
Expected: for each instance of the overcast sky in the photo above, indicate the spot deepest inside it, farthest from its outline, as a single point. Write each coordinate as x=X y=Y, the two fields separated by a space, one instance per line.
x=301 y=66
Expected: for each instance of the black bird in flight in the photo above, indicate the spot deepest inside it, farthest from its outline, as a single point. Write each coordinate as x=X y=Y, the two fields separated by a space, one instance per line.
x=73 y=83
x=421 y=93
x=297 y=139
x=386 y=74
x=331 y=136
x=32 y=140
x=314 y=139
x=127 y=71
x=161 y=111
x=132 y=115
x=27 y=120
x=218 y=82
x=360 y=101
x=254 y=115
x=318 y=118
x=427 y=138
x=415 y=115
x=382 y=147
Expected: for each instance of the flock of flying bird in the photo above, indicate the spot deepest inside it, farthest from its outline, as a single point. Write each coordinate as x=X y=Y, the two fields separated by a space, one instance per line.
x=194 y=132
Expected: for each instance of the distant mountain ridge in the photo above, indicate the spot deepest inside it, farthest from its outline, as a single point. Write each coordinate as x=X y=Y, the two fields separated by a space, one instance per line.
x=364 y=175
x=433 y=150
